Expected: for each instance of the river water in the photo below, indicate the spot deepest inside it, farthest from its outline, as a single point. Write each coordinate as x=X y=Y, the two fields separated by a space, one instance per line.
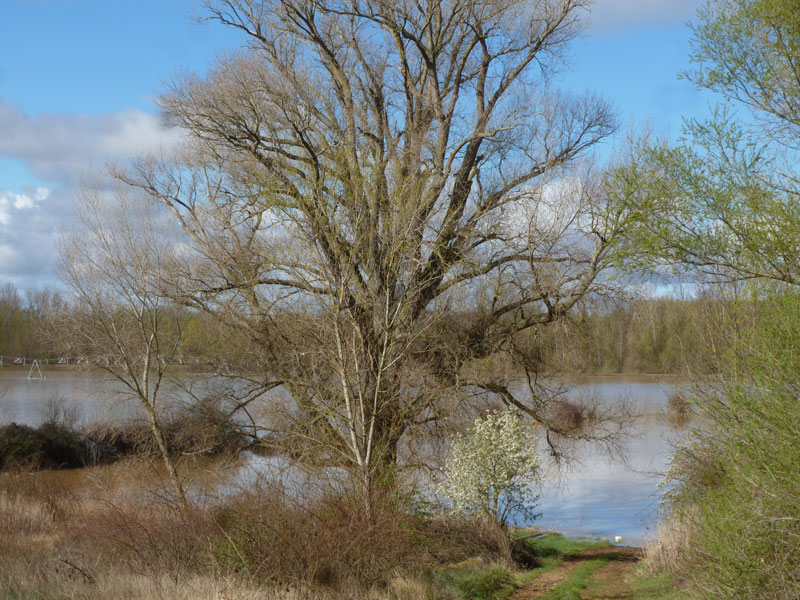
x=597 y=495
x=607 y=496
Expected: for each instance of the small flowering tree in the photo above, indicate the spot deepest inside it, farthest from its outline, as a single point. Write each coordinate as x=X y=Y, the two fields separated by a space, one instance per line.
x=491 y=469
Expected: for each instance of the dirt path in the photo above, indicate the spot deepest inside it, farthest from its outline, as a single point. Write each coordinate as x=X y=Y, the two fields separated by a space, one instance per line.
x=608 y=583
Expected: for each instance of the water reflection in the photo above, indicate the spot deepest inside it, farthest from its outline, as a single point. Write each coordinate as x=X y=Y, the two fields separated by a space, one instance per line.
x=608 y=496
x=596 y=496
x=90 y=398
x=603 y=497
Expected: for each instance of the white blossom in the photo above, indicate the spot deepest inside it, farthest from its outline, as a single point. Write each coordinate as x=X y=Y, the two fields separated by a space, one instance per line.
x=491 y=469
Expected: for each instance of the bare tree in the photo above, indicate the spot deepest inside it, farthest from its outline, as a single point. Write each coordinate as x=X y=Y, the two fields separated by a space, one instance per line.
x=121 y=320
x=382 y=195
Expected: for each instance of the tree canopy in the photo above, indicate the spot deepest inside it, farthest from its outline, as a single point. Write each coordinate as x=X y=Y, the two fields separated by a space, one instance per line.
x=363 y=169
x=724 y=202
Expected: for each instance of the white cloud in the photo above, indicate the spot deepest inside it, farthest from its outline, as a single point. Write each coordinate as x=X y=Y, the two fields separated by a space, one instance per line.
x=10 y=200
x=61 y=148
x=555 y=211
x=617 y=15
x=29 y=222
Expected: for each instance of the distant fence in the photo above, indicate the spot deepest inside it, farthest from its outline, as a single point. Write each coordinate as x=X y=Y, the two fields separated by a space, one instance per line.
x=106 y=359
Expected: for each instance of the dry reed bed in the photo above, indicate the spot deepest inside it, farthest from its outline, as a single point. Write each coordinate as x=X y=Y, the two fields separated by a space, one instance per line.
x=61 y=537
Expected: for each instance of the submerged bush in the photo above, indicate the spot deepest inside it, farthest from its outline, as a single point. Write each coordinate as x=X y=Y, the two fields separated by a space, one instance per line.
x=51 y=446
x=55 y=445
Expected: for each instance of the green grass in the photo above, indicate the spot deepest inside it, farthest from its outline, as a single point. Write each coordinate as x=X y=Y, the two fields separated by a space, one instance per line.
x=548 y=564
x=560 y=546
x=578 y=580
x=656 y=587
x=476 y=580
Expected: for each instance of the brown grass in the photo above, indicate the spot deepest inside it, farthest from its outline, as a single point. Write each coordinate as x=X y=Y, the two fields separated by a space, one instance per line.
x=103 y=537
x=666 y=552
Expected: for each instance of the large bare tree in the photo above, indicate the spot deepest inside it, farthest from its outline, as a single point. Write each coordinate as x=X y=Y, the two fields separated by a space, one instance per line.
x=383 y=195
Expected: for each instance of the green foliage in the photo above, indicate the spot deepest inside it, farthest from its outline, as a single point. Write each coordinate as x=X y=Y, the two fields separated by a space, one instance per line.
x=735 y=484
x=491 y=469
x=726 y=200
x=726 y=203
x=715 y=204
x=749 y=51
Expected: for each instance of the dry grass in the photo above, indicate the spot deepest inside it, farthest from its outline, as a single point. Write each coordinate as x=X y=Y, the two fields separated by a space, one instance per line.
x=113 y=585
x=65 y=536
x=666 y=553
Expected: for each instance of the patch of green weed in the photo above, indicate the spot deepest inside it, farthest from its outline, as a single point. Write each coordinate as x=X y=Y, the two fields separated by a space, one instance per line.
x=655 y=587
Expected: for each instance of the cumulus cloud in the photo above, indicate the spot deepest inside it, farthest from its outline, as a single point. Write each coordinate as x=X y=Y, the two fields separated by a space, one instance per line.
x=617 y=15
x=29 y=224
x=61 y=148
x=553 y=215
x=11 y=201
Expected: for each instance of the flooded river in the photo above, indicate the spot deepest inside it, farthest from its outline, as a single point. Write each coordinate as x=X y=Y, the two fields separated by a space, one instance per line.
x=596 y=496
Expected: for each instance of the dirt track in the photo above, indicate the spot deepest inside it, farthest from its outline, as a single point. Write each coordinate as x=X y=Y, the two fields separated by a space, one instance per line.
x=609 y=582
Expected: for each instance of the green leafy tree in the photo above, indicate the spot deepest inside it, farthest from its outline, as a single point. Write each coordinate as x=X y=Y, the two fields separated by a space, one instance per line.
x=491 y=469
x=725 y=201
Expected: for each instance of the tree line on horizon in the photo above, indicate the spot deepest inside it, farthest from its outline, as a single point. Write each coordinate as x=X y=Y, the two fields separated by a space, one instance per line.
x=660 y=336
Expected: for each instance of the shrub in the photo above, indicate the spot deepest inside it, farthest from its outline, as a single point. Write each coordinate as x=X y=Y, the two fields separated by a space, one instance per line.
x=491 y=469
x=272 y=536
x=50 y=446
x=733 y=489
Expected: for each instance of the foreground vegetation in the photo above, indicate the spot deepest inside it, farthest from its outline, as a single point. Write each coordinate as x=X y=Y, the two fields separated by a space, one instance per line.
x=733 y=521
x=725 y=203
x=85 y=536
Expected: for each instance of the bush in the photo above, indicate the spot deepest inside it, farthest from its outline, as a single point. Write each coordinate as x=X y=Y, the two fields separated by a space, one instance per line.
x=525 y=554
x=50 y=446
x=679 y=410
x=272 y=536
x=733 y=489
x=186 y=433
x=491 y=469
x=54 y=445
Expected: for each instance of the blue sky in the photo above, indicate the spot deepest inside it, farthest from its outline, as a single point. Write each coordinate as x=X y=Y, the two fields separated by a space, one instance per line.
x=78 y=79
